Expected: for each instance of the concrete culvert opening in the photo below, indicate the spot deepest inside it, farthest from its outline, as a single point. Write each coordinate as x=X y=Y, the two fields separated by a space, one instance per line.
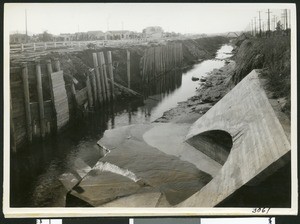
x=216 y=144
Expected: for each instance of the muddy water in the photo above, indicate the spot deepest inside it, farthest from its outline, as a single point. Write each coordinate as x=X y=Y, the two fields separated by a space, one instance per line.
x=35 y=171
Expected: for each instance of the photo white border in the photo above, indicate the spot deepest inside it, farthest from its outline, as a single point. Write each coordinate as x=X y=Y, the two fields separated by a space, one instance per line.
x=138 y=212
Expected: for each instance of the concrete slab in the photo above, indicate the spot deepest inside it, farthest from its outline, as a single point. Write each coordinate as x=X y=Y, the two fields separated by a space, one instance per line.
x=69 y=180
x=259 y=143
x=169 y=138
x=100 y=187
x=132 y=158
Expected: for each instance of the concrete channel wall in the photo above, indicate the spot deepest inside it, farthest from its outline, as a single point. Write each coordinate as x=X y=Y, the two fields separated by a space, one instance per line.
x=260 y=146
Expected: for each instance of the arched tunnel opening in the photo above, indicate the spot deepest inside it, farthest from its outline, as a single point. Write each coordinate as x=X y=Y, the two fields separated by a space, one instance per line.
x=216 y=144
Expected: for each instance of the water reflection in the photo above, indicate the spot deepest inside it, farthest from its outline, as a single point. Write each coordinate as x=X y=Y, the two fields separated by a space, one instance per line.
x=36 y=169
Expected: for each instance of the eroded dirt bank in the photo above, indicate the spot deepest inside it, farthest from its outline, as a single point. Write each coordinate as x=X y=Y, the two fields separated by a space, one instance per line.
x=271 y=56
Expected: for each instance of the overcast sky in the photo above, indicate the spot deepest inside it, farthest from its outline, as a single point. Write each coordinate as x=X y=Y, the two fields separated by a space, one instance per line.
x=59 y=18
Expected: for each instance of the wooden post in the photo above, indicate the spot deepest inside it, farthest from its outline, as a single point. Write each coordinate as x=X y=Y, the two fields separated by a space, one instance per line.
x=73 y=89
x=97 y=74
x=45 y=46
x=111 y=74
x=94 y=87
x=101 y=76
x=40 y=97
x=34 y=47
x=128 y=69
x=49 y=72
x=56 y=65
x=174 y=55
x=27 y=101
x=22 y=47
x=89 y=91
x=105 y=77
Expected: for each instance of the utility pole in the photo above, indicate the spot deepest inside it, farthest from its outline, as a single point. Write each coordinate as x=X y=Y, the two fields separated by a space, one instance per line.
x=286 y=19
x=259 y=20
x=26 y=24
x=122 y=36
x=290 y=18
x=252 y=31
x=274 y=22
x=283 y=20
x=269 y=19
x=254 y=26
x=269 y=25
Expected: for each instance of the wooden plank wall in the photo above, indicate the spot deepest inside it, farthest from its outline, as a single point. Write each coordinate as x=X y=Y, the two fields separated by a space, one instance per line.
x=18 y=111
x=60 y=99
x=158 y=60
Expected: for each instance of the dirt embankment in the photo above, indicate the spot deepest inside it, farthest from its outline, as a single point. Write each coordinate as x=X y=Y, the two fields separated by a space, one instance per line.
x=211 y=89
x=271 y=56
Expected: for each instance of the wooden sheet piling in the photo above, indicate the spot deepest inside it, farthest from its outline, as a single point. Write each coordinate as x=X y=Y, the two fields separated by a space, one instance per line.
x=103 y=88
x=27 y=101
x=128 y=69
x=89 y=91
x=40 y=98
x=97 y=76
x=174 y=55
x=60 y=99
x=111 y=74
x=94 y=87
x=49 y=72
x=107 y=89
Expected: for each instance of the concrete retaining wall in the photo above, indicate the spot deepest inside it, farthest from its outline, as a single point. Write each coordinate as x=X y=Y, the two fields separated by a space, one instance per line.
x=260 y=145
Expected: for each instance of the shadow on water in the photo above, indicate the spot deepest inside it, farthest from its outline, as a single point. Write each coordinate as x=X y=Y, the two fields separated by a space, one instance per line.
x=36 y=168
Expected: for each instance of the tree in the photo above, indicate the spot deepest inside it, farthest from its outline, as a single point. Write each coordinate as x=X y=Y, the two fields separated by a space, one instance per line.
x=279 y=26
x=46 y=36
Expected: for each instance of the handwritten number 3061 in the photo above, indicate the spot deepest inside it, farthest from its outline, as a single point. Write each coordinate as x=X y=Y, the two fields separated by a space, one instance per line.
x=261 y=210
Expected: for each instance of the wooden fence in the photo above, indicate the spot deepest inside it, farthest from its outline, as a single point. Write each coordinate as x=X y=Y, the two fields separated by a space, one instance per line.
x=42 y=46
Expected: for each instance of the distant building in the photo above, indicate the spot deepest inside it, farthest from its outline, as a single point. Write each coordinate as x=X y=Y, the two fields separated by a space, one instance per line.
x=66 y=37
x=153 y=32
x=117 y=34
x=96 y=35
x=81 y=36
x=18 y=38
